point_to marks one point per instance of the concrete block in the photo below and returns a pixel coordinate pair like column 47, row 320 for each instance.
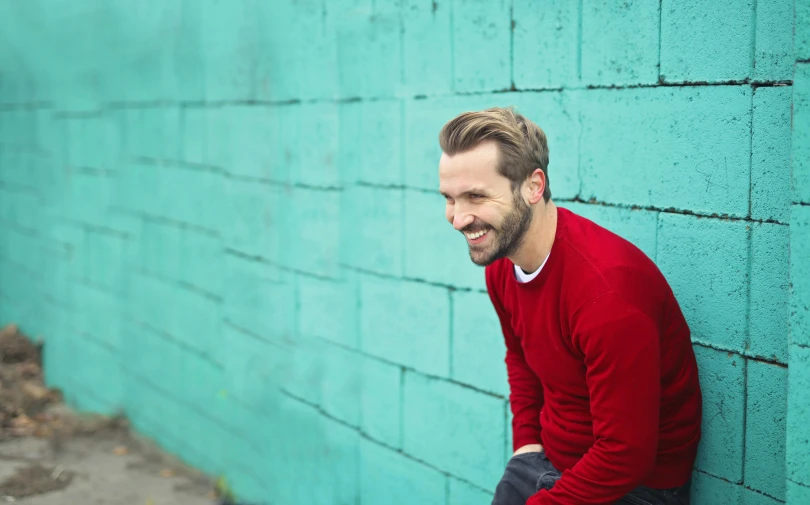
column 801, row 133
column 380, row 395
column 770, row 154
column 369, row 52
column 709, row 490
column 243, row 140
column 202, row 382
column 706, row 41
column 97, row 141
column 251, row 218
column 153, row 132
column 254, row 368
column 392, row 478
column 259, row 298
column 341, row 388
column 195, row 135
column 708, row 128
column 462, row 493
column 799, row 296
column 638, row 226
column 427, row 47
column 328, row 309
column 750, row 497
column 447, row 259
column 481, row 45
column 98, row 369
column 421, row 339
column 102, row 257
column 801, row 42
column 424, row 120
column 620, row 42
column 766, row 412
column 722, row 381
column 768, row 311
column 318, row 145
column 350, row 152
column 372, row 224
column 453, row 428
column 773, row 54
column 798, row 430
column 545, row 47
column 230, row 52
column 478, row 346
column 314, row 243
column 98, row 314
column 706, row 263
column 382, row 156
column 797, row 494
column 557, row 114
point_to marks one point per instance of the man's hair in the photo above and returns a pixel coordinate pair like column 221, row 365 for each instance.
column 522, row 144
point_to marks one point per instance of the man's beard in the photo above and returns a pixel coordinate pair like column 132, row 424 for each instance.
column 507, row 239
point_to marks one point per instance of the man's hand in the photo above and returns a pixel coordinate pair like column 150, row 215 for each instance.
column 528, row 448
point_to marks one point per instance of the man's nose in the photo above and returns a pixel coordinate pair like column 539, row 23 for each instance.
column 462, row 219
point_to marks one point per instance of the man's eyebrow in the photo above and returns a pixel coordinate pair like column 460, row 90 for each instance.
column 479, row 191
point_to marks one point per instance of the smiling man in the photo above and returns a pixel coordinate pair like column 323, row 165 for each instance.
column 604, row 389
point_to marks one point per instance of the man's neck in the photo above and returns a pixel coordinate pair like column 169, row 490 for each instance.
column 538, row 240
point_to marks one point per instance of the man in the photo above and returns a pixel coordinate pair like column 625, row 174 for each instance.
column 603, row 381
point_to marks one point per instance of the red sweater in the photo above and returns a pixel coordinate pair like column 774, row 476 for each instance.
column 600, row 366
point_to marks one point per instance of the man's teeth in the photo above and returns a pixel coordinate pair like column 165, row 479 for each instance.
column 473, row 236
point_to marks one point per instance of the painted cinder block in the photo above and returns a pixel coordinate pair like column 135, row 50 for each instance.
column 706, row 41
column 545, row 47
column 97, row 313
column 381, row 151
column 391, row 478
column 773, row 54
column 481, row 45
column 259, row 298
column 557, row 114
column 342, row 381
column 620, row 42
column 801, row 133
column 722, row 382
column 102, row 257
column 447, row 259
column 462, row 493
column 427, row 47
column 798, row 429
column 768, row 312
column 705, row 262
column 709, row 490
column 770, row 153
column 372, row 229
column 152, row 132
column 194, row 133
column 638, row 226
column 243, row 139
column 420, row 339
column 230, row 52
column 252, row 218
column 799, row 275
column 797, row 494
column 368, row 49
column 380, row 401
column 313, row 243
column 454, row 428
column 801, row 42
column 327, row 309
column 689, row 150
column 317, row 145
column 424, row 119
column 766, row 413
column 478, row 346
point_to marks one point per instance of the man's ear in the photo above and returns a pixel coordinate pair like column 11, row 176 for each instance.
column 537, row 186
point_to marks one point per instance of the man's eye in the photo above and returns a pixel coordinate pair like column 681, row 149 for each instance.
column 476, row 196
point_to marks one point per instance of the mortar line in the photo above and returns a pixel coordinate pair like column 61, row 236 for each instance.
column 799, row 483
column 749, row 234
column 753, row 58
column 708, row 345
column 751, row 156
column 401, row 433
column 408, row 279
column 450, row 333
column 512, row 25
column 452, row 46
column 744, row 418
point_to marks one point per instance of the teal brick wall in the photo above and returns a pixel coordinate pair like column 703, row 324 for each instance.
column 222, row 219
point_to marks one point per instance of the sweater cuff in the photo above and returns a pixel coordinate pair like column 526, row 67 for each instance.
column 526, row 436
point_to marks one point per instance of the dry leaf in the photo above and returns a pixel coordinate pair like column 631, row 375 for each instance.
column 120, row 450
column 166, row 473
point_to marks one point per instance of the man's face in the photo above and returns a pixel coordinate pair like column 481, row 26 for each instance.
column 481, row 204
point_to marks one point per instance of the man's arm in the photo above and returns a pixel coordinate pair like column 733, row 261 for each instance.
column 525, row 390
column 621, row 346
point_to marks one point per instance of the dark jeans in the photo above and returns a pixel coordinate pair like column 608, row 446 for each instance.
column 530, row 472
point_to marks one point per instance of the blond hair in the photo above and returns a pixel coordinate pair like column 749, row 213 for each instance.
column 522, row 144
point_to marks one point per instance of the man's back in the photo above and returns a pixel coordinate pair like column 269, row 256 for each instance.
column 600, row 363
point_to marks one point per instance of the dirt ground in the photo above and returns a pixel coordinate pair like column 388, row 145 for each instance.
column 50, row 455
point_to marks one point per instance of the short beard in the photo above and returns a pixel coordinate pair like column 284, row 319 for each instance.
column 509, row 237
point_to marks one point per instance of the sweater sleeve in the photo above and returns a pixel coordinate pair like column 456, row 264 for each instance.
column 525, row 389
column 620, row 346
